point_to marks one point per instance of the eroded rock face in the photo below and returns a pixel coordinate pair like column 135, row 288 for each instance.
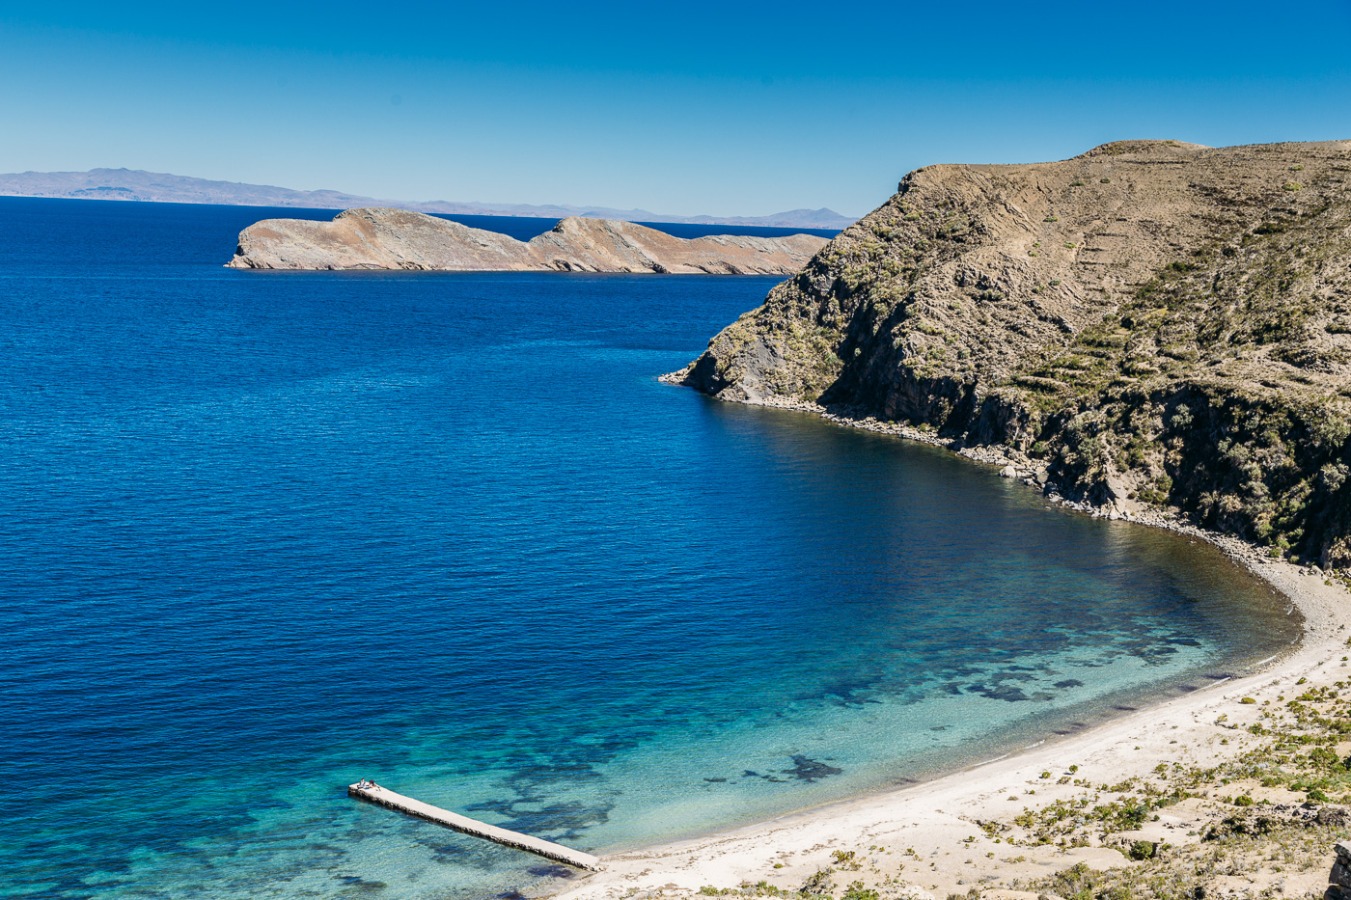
column 1152, row 321
column 400, row 239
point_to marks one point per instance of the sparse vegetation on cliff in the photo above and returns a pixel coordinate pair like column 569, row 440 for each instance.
column 1156, row 324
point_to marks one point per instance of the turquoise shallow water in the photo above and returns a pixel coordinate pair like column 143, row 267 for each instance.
column 264, row 534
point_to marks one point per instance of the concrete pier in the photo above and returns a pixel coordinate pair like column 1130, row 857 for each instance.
column 382, row 796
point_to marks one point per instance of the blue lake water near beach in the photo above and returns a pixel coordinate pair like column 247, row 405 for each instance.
column 263, row 534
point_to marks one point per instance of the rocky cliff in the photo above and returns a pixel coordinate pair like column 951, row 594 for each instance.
column 400, row 239
column 1150, row 324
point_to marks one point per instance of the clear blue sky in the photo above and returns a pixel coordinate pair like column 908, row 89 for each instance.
column 723, row 108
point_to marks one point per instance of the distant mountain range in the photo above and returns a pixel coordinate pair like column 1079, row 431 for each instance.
column 156, row 187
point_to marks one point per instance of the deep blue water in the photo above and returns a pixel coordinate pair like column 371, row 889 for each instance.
column 263, row 534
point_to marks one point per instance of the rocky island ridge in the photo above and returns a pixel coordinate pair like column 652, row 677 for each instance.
column 380, row 238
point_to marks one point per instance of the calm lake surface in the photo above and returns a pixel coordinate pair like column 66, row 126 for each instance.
column 263, row 534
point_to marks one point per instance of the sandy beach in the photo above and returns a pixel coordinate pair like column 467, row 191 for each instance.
column 957, row 832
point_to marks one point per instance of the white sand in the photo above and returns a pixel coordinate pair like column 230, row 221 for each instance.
column 935, row 819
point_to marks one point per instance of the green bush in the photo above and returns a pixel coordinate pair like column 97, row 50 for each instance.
column 857, row 891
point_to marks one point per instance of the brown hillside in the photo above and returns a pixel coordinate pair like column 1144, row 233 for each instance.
column 1156, row 323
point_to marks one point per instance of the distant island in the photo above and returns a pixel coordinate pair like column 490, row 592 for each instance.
column 158, row 187
column 402, row 239
column 1149, row 326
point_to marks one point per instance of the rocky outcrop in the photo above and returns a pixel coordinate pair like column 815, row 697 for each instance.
column 400, row 239
column 1152, row 323
column 1340, row 878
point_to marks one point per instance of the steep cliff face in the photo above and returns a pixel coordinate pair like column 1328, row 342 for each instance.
column 1159, row 324
column 400, row 239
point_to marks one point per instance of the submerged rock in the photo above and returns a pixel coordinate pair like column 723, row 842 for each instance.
column 807, row 769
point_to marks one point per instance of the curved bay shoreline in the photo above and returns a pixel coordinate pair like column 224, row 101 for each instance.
column 943, row 836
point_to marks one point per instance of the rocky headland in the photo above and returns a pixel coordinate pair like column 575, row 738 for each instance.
column 1152, row 330
column 401, row 239
column 1149, row 327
